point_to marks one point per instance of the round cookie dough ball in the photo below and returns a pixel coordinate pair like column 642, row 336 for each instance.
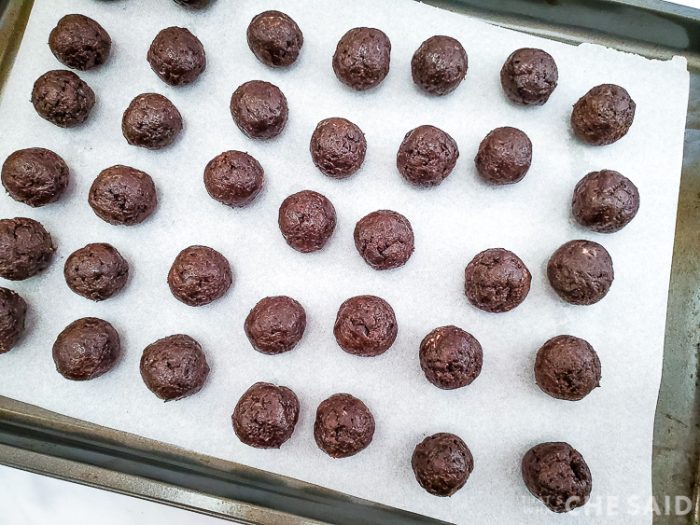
column 450, row 357
column 123, row 196
column 384, row 239
column 581, row 272
column 35, row 176
column 362, row 58
column 605, row 201
column 603, row 115
column 265, row 415
column 307, row 220
column 259, row 109
column 234, row 178
column 193, row 4
column 79, row 42
column 151, row 121
column 199, row 276
column 276, row 324
column 365, row 326
column 504, row 156
column 13, row 310
column 62, row 98
column 496, row 280
column 275, row 39
column 567, row 368
column 344, row 426
column 439, row 65
column 86, row 349
column 442, row 464
column 174, row 367
column 529, row 76
column 96, row 271
column 338, row 147
column 556, row 474
column 177, row 56
column 427, row 156
column 26, row 248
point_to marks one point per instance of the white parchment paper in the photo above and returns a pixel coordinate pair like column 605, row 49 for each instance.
column 502, row 413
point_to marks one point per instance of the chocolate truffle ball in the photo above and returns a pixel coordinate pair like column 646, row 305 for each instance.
column 177, row 56
column 26, row 248
column 427, row 156
column 259, row 109
column 265, row 415
column 439, row 65
column 529, row 76
column 362, row 57
column 557, row 475
column 199, row 276
column 307, row 220
column 603, row 115
column 365, row 326
column 96, row 271
column 567, row 367
column 338, row 147
column 504, row 156
column 344, row 426
column 174, row 367
column 384, row 239
column 123, row 195
column 35, row 176
column 62, row 98
column 450, row 357
column 276, row 324
column 496, row 280
column 86, row 349
column 234, row 178
column 442, row 464
column 275, row 39
column 13, row 310
column 605, row 201
column 581, row 272
column 151, row 121
column 79, row 42
column 193, row 4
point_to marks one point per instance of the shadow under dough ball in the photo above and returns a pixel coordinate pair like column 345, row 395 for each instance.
column 122, row 195
column 338, row 147
column 603, row 115
column 26, row 248
column 265, row 415
column 439, row 65
column 567, row 368
column 384, row 239
column 62, row 98
column 13, row 310
column 605, row 201
column 234, row 178
column 97, row 271
column 450, row 357
column 496, row 280
column 581, row 272
column 529, row 76
column 307, row 220
column 151, row 121
column 427, row 156
column 504, row 156
column 365, row 326
column 35, row 176
column 276, row 324
column 557, row 475
column 362, row 58
column 177, row 56
column 259, row 109
column 193, row 4
column 86, row 349
column 442, row 464
column 80, row 42
column 199, row 276
column 275, row 39
column 344, row 426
